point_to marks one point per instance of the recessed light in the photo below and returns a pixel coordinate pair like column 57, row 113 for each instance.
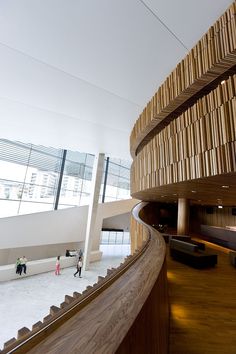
column 225, row 187
column 220, row 207
column 222, row 82
column 194, row 191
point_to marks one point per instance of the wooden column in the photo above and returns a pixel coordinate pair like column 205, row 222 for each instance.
column 183, row 216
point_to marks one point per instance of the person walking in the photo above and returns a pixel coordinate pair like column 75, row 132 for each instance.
column 79, row 267
column 58, row 266
column 23, row 262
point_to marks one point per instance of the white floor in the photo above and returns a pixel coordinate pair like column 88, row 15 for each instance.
column 27, row 300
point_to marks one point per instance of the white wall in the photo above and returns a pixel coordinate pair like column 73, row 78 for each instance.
column 121, row 221
column 107, row 210
column 60, row 226
column 59, row 230
column 42, row 235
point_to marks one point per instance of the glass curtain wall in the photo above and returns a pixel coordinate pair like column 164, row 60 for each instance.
column 76, row 182
column 117, row 182
column 115, row 238
column 30, row 176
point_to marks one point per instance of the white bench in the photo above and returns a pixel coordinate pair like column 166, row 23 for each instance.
column 8, row 272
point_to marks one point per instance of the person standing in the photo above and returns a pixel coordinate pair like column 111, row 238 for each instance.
column 58, row 266
column 79, row 267
column 23, row 262
column 79, row 254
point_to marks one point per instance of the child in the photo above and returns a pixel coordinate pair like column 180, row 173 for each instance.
column 58, row 266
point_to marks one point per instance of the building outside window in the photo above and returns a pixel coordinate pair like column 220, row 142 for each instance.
column 117, row 184
column 29, row 178
column 76, row 182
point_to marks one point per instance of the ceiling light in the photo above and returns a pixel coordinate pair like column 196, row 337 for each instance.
column 222, row 82
column 225, row 187
column 194, row 191
column 220, row 206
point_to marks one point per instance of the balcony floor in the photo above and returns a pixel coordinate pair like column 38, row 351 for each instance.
column 203, row 306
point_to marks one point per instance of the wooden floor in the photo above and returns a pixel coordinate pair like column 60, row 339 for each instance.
column 203, row 307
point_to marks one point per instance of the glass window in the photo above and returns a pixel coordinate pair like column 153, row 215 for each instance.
column 8, row 208
column 12, row 171
column 29, row 177
column 118, row 180
column 115, row 237
column 30, row 174
column 29, row 208
column 76, row 182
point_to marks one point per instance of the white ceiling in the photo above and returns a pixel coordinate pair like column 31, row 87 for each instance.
column 76, row 73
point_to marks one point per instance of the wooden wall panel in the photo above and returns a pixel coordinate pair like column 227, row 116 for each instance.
column 220, row 217
column 199, row 143
column 150, row 331
column 138, row 235
column 213, row 55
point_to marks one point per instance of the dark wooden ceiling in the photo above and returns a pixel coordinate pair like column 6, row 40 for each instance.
column 217, row 190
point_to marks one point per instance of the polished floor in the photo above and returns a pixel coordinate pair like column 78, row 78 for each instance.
column 27, row 300
column 203, row 306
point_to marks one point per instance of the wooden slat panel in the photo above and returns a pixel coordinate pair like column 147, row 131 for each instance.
column 214, row 54
column 199, row 143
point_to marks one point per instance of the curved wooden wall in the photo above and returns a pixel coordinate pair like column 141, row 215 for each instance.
column 213, row 55
column 201, row 142
column 138, row 233
column 130, row 302
column 187, row 132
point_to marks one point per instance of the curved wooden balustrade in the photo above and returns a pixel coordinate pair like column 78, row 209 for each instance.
column 130, row 302
column 212, row 56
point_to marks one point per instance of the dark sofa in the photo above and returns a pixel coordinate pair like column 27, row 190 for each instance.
column 190, row 254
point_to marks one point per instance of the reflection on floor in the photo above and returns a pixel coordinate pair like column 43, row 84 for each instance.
column 27, row 300
column 203, row 306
